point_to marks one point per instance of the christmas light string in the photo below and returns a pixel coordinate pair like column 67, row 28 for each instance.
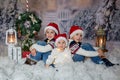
column 27, row 5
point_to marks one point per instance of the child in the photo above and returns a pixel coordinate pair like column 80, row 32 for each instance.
column 80, row 50
column 61, row 54
column 42, row 49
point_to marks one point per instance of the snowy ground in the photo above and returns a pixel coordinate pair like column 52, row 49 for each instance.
column 73, row 71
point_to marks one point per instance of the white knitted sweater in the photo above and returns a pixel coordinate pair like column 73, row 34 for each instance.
column 59, row 58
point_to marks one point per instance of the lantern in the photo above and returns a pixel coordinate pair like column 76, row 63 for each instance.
column 101, row 39
column 11, row 38
column 14, row 53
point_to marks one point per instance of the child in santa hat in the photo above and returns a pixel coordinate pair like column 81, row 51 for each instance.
column 60, row 54
column 80, row 50
column 42, row 49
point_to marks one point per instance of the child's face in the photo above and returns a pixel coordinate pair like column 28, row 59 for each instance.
column 61, row 44
column 50, row 34
column 77, row 37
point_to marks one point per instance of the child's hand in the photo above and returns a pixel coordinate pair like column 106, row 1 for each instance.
column 101, row 53
column 28, row 56
column 33, row 52
column 47, row 66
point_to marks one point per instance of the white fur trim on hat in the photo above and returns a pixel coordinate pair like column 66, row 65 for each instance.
column 51, row 27
column 61, row 38
column 75, row 32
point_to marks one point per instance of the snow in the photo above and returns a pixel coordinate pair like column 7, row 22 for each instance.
column 10, row 70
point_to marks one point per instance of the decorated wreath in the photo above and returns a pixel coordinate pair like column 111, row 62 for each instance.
column 27, row 26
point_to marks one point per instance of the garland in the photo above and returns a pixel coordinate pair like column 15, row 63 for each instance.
column 27, row 26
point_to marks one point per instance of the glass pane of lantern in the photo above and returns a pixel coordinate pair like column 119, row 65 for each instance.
column 11, row 37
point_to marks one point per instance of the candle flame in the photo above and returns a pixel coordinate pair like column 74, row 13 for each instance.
column 101, row 43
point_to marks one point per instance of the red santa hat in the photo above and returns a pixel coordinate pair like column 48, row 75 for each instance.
column 52, row 26
column 75, row 29
column 61, row 37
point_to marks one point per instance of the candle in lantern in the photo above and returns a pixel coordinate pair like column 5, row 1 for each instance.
column 11, row 38
column 101, row 43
